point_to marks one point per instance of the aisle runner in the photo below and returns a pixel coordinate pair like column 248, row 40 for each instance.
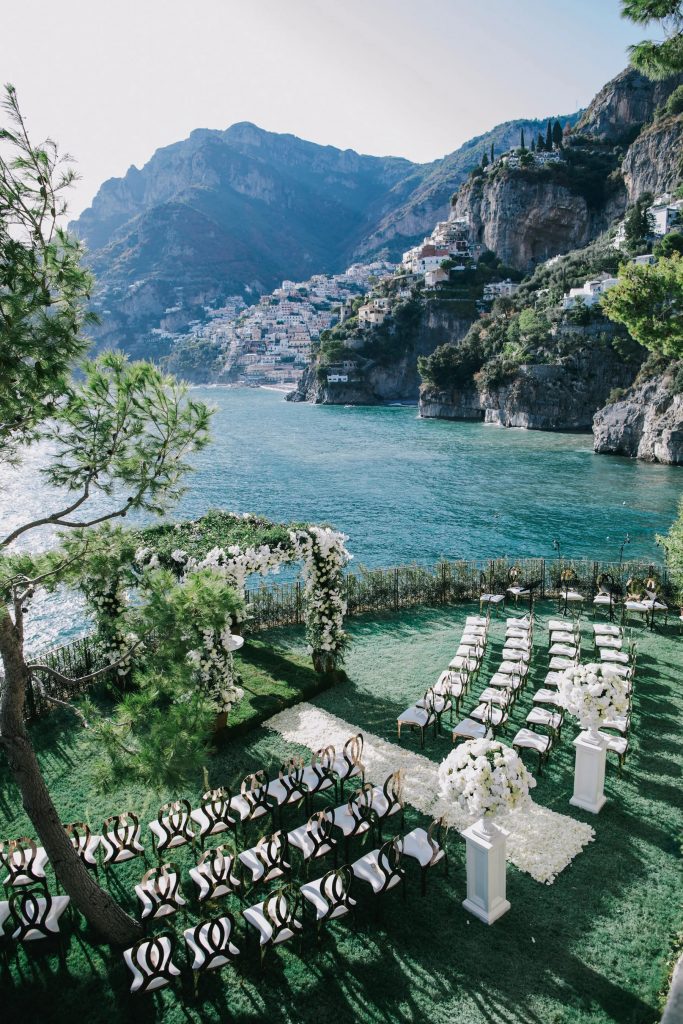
column 540, row 841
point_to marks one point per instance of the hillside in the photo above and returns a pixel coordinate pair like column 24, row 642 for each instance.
column 235, row 212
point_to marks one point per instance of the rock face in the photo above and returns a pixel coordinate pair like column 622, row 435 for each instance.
column 624, row 105
column 647, row 423
column 526, row 219
column 376, row 381
column 539, row 396
column 654, row 162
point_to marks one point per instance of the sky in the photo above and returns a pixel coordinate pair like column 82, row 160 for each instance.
column 112, row 82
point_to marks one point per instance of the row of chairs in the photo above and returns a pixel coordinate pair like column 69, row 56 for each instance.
column 178, row 824
column 277, row 918
column 492, row 710
column 452, row 684
column 564, row 650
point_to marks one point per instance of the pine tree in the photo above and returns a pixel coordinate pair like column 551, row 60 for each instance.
column 557, row 135
column 549, row 136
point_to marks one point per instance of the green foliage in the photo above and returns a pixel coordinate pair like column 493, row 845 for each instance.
column 674, row 104
column 657, row 59
column 533, row 326
column 671, row 243
column 638, row 224
column 649, row 302
column 43, row 287
column 673, row 547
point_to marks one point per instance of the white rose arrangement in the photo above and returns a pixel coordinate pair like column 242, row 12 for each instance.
column 593, row 695
column 485, row 777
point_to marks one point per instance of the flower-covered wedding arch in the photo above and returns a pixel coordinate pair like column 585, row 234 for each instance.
column 240, row 545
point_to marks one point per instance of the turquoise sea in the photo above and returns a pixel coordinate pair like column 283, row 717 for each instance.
column 406, row 489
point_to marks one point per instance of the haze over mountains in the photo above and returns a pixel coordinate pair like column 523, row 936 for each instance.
column 236, row 211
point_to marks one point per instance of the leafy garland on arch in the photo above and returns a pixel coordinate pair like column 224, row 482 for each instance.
column 237, row 546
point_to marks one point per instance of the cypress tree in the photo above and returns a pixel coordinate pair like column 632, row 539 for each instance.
column 484, row 159
column 492, row 153
column 557, row 134
column 540, row 145
column 533, row 145
column 549, row 136
column 521, row 139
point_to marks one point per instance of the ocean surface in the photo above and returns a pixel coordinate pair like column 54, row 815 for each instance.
column 402, row 488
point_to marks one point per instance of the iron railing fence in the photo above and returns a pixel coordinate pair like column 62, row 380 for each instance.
column 369, row 591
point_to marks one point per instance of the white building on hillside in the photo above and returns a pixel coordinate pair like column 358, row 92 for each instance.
column 590, row 291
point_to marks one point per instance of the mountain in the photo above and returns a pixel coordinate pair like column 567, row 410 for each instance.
column 236, row 211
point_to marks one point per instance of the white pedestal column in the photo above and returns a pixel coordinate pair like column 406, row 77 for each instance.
column 589, row 772
column 485, row 873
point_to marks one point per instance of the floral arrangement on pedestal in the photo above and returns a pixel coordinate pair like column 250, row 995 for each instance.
column 593, row 694
column 485, row 778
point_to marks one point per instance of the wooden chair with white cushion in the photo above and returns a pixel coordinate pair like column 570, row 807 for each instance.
column 477, row 620
column 320, row 775
column 214, row 874
column 387, row 800
column 426, row 847
column 488, row 598
column 420, row 716
column 541, row 743
column 356, row 817
column 564, row 650
column 24, row 862
column 441, row 703
column 470, row 729
column 545, row 697
column 618, row 745
column 547, row 718
column 173, row 827
column 453, row 685
column 315, row 839
column 268, row 859
column 252, row 803
column 275, row 918
column 381, row 868
column 289, row 787
column 120, row 840
column 515, row 588
column 614, row 643
column 213, row 816
column 150, row 961
column 210, row 945
column 36, row 915
column 607, row 629
column 159, row 892
column 349, row 764
column 84, row 843
column 329, row 897
column 493, row 715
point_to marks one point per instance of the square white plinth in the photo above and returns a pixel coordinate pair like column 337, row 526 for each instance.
column 485, row 874
column 589, row 772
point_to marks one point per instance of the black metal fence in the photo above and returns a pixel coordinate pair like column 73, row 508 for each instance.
column 375, row 591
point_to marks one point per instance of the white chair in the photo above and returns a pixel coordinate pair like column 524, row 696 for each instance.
column 496, row 695
column 477, row 620
column 213, row 875
column 349, row 764
column 275, row 918
column 320, row 775
column 214, row 817
column 381, row 868
column 289, row 787
column 426, row 848
column 210, row 946
column 615, row 657
column 329, row 896
column 150, row 961
column 356, row 817
column 252, row 803
column 542, row 716
column 24, row 861
column 84, row 843
column 607, row 629
column 618, row 745
column 544, row 696
column 120, row 839
column 564, row 651
column 553, row 678
column 470, row 729
column 36, row 916
column 494, row 716
column 159, row 892
column 420, row 716
column 173, row 826
column 454, row 685
column 314, row 839
column 613, row 643
column 387, row 800
column 541, row 743
column 268, row 859
column 561, row 664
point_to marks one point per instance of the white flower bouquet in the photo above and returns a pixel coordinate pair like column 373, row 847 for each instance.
column 485, row 778
column 593, row 695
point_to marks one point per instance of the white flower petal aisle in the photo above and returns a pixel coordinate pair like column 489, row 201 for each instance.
column 540, row 842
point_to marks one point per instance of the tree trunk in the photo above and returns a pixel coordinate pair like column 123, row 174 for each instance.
column 96, row 905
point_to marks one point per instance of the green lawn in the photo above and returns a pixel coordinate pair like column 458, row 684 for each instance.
column 592, row 947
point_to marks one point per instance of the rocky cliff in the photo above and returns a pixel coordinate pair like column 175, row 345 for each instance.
column 624, row 105
column 386, row 375
column 541, row 396
column 654, row 161
column 645, row 423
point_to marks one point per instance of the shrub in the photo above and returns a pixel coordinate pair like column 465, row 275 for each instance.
column 674, row 104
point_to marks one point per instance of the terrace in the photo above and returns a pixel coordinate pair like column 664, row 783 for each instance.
column 592, row 945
